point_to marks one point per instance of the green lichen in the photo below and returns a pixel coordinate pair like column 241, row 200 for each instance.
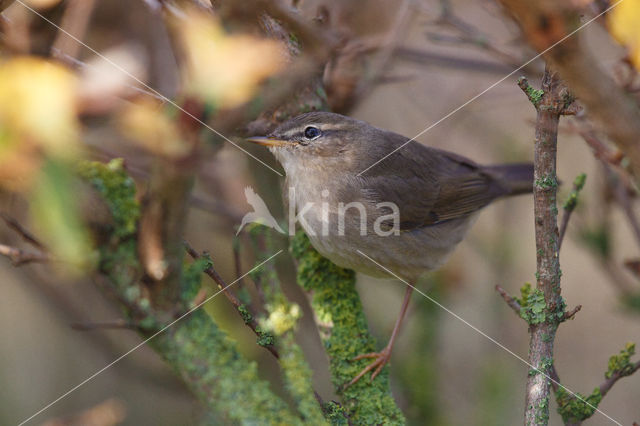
column 576, row 408
column 281, row 321
column 534, row 95
column 542, row 412
column 621, row 365
column 265, row 338
column 335, row 414
column 533, row 306
column 547, row 182
column 298, row 380
column 203, row 355
column 344, row 333
column 192, row 279
column 118, row 189
column 245, row 314
column 209, row 362
column 544, row 368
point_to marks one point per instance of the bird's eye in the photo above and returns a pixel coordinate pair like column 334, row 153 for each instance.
column 311, row 132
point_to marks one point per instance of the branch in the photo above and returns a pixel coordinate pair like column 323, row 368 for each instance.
column 544, row 307
column 201, row 353
column 244, row 311
column 570, row 205
column 511, row 301
column 281, row 320
column 22, row 231
column 545, row 23
column 608, row 384
column 20, row 256
column 343, row 330
column 575, row 408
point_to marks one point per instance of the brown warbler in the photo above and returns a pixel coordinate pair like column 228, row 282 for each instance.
column 375, row 201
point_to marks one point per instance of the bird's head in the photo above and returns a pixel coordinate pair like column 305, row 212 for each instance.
column 319, row 140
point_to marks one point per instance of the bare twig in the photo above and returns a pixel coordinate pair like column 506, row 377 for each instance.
column 20, row 256
column 469, row 34
column 511, row 301
column 570, row 314
column 22, row 231
column 243, row 310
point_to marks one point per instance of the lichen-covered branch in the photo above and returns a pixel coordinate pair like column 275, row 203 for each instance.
column 543, row 307
column 574, row 409
column 281, row 321
column 202, row 354
column 343, row 330
column 249, row 318
column 211, row 366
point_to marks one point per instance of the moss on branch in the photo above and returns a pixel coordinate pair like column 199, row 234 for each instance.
column 211, row 366
column 344, row 333
column 281, row 322
column 202, row 354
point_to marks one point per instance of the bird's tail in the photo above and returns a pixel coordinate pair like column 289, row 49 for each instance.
column 517, row 178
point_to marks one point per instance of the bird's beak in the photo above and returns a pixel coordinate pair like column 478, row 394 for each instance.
column 268, row 141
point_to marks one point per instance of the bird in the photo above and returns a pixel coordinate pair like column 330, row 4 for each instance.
column 378, row 202
column 260, row 213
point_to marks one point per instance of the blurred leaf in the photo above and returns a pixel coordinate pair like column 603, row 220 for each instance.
column 225, row 69
column 624, row 24
column 148, row 124
column 102, row 88
column 54, row 209
column 37, row 116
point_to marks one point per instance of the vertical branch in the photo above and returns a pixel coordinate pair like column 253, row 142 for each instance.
column 550, row 102
column 344, row 333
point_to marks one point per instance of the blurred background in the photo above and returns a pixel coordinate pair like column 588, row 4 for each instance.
column 412, row 63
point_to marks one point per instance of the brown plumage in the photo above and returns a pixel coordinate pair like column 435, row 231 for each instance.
column 332, row 160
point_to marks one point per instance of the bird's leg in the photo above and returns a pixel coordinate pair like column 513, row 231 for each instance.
column 382, row 358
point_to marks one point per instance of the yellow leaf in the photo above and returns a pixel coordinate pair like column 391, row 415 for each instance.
column 37, row 116
column 624, row 24
column 225, row 69
column 148, row 124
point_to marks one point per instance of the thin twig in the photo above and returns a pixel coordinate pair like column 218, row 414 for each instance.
column 511, row 301
column 608, row 384
column 20, row 256
column 570, row 314
column 570, row 205
column 242, row 309
column 22, row 231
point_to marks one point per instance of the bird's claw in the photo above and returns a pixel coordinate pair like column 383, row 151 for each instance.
column 380, row 360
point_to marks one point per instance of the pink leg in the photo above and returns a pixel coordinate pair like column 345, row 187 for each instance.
column 382, row 358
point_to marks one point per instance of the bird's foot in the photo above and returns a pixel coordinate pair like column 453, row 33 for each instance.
column 380, row 359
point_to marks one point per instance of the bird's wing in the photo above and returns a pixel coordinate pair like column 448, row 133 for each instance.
column 428, row 185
